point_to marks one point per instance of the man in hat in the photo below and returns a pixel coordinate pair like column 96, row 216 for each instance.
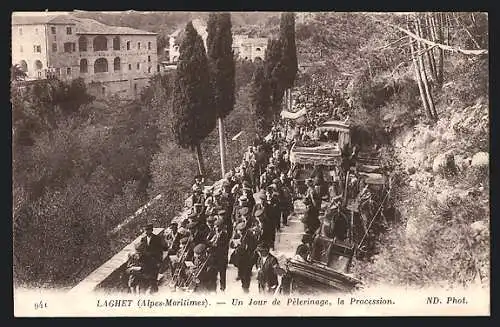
column 268, row 232
column 197, row 195
column 243, row 256
column 220, row 245
column 153, row 255
column 273, row 211
column 178, row 260
column 304, row 249
column 134, row 269
column 226, row 218
column 247, row 193
column 243, row 215
column 199, row 231
column 242, row 203
column 172, row 242
column 199, row 181
column 172, row 238
column 203, row 272
column 267, row 269
column 211, row 227
column 312, row 202
column 286, row 199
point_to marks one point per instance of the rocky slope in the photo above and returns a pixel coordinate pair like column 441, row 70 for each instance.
column 443, row 197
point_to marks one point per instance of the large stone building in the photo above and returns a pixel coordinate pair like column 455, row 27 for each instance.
column 111, row 59
column 244, row 47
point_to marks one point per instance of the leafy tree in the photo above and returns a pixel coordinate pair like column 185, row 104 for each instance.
column 161, row 44
column 17, row 73
column 244, row 73
column 261, row 101
column 193, row 113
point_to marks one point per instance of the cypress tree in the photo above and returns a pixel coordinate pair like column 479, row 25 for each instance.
column 261, row 102
column 222, row 70
column 273, row 74
column 289, row 50
column 193, row 116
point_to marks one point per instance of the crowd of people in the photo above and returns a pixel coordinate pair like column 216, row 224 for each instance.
column 243, row 214
column 320, row 103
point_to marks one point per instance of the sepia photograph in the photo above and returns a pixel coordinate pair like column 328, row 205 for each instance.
column 170, row 163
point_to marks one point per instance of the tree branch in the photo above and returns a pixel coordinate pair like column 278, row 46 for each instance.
column 439, row 45
column 392, row 43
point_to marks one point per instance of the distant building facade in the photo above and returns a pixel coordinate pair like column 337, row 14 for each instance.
column 111, row 59
column 244, row 47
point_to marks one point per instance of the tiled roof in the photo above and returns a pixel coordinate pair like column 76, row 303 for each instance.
column 90, row 26
column 42, row 19
column 83, row 25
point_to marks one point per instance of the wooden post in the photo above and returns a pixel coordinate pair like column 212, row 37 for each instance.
column 222, row 147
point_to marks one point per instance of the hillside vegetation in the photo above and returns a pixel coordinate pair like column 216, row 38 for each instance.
column 80, row 168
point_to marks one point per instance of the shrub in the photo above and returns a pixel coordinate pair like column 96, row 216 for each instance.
column 439, row 250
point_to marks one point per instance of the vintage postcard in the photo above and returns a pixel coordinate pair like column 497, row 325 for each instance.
column 250, row 163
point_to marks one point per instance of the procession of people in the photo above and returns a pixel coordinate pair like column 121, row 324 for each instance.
column 236, row 222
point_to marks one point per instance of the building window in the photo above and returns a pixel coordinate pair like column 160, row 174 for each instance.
column 128, row 45
column 103, row 91
column 138, row 45
column 149, row 58
column 53, row 29
column 54, row 47
column 100, row 43
column 149, row 45
column 84, row 66
column 37, row 48
column 21, row 48
column 257, row 49
column 138, row 66
column 69, row 31
column 55, row 38
column 69, row 47
column 116, row 64
column 38, row 65
column 101, row 65
column 20, row 31
column 129, row 66
column 158, row 68
column 82, row 43
column 68, row 71
column 149, row 70
column 116, row 43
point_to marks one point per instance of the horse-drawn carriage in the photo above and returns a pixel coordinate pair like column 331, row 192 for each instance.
column 346, row 218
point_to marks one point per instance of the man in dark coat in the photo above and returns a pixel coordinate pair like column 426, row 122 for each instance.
column 220, row 245
column 243, row 256
column 268, row 229
column 286, row 200
column 267, row 265
column 312, row 201
column 153, row 255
